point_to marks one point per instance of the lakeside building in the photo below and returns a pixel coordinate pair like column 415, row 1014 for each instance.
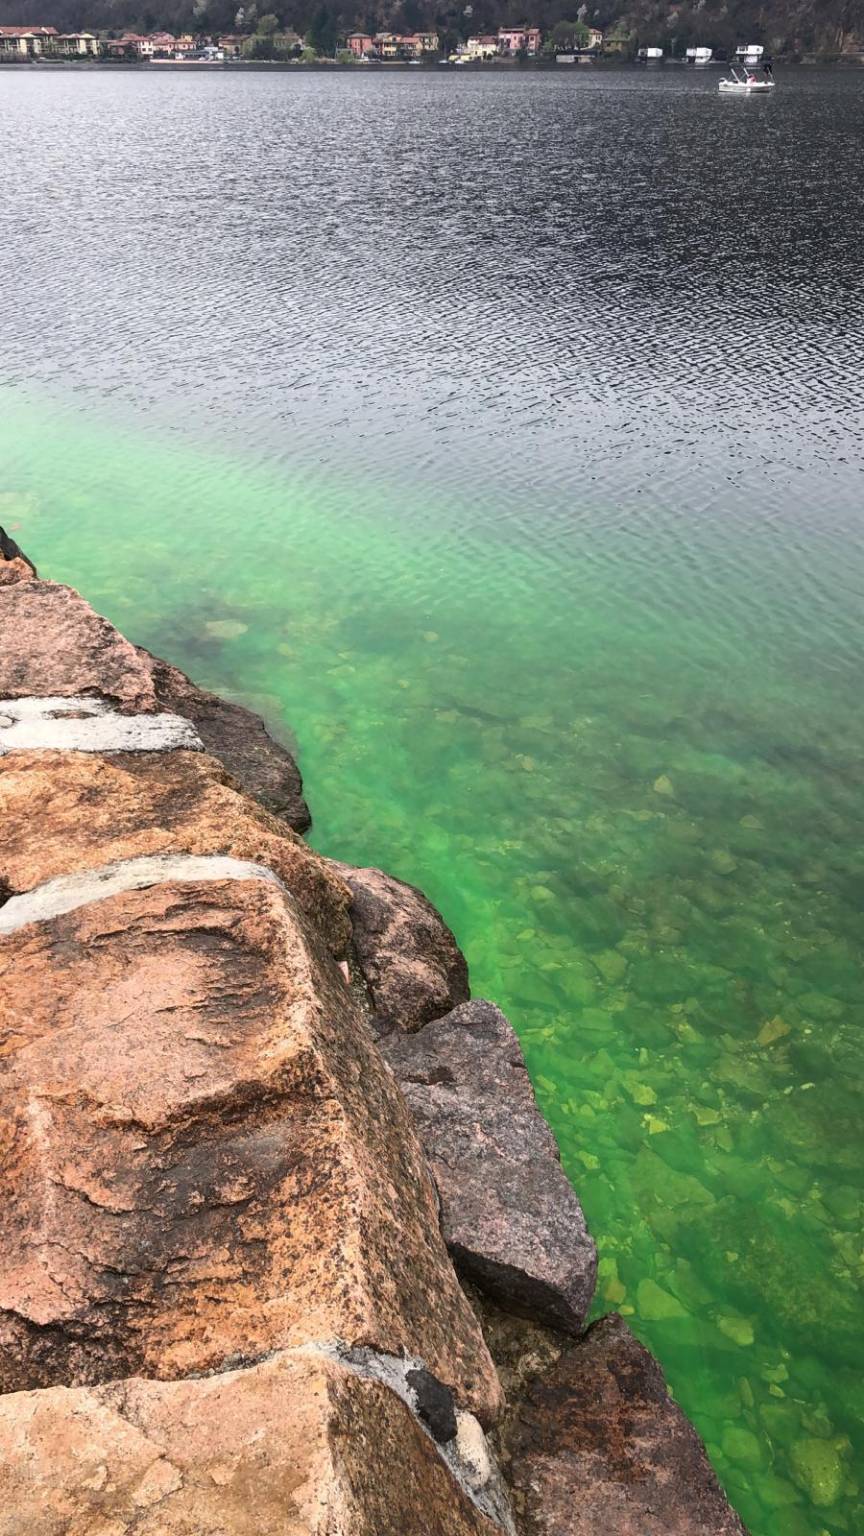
column 132, row 42
column 26, row 42
column 480, row 48
column 519, row 40
column 75, row 45
column 393, row 45
column 48, row 43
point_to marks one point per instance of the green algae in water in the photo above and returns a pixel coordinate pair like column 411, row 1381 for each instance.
column 645, row 830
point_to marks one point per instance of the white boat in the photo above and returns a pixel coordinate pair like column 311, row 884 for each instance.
column 650, row 55
column 749, row 53
column 700, row 55
column 748, row 86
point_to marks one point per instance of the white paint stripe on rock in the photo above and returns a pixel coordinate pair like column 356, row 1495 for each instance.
column 89, row 725
column 70, row 891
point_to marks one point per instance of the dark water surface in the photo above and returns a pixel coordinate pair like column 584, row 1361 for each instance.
column 504, row 437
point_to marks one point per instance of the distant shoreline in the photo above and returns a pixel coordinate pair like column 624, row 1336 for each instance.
column 390, row 66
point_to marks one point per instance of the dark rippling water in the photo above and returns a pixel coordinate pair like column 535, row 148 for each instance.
column 503, row 435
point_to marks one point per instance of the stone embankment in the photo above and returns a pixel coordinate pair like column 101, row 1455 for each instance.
column 287, row 1245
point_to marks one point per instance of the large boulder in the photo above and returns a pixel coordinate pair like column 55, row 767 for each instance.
column 509, row 1214
column 599, row 1445
column 410, row 962
column 204, row 1157
column 298, row 1445
column 63, row 812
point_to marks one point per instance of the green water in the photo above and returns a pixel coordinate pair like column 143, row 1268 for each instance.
column 629, row 774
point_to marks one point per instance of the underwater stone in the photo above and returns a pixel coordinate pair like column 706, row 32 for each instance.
column 817, row 1470
column 655, row 1304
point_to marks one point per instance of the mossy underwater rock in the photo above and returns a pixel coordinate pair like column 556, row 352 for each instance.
column 817, row 1470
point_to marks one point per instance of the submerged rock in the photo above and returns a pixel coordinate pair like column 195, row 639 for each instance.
column 508, row 1212
column 598, row 1445
column 817, row 1469
column 412, row 966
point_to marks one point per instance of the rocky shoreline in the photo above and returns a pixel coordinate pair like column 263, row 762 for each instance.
column 288, row 1245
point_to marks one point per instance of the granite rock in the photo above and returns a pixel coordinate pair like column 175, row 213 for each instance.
column 509, row 1215
column 409, row 960
column 294, row 1446
column 93, row 810
column 14, row 569
column 204, row 1157
column 599, row 1445
column 52, row 642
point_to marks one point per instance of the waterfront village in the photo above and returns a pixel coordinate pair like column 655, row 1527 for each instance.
column 567, row 43
column 46, row 43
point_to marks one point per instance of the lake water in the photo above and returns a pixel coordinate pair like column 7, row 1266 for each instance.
column 503, row 436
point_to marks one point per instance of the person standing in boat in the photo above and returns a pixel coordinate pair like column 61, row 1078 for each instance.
column 768, row 67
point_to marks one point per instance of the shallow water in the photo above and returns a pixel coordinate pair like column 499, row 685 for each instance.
column 503, row 438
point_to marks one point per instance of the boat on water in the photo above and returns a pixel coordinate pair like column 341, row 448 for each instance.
column 649, row 55
column 700, row 56
column 745, row 85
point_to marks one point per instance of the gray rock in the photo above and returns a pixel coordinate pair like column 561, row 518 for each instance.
column 240, row 740
column 412, row 966
column 509, row 1214
column 599, row 1445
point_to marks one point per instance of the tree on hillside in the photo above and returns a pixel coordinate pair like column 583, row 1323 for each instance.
column 567, row 35
column 323, row 31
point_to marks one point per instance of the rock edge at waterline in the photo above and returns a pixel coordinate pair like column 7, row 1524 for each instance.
column 227, row 1304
